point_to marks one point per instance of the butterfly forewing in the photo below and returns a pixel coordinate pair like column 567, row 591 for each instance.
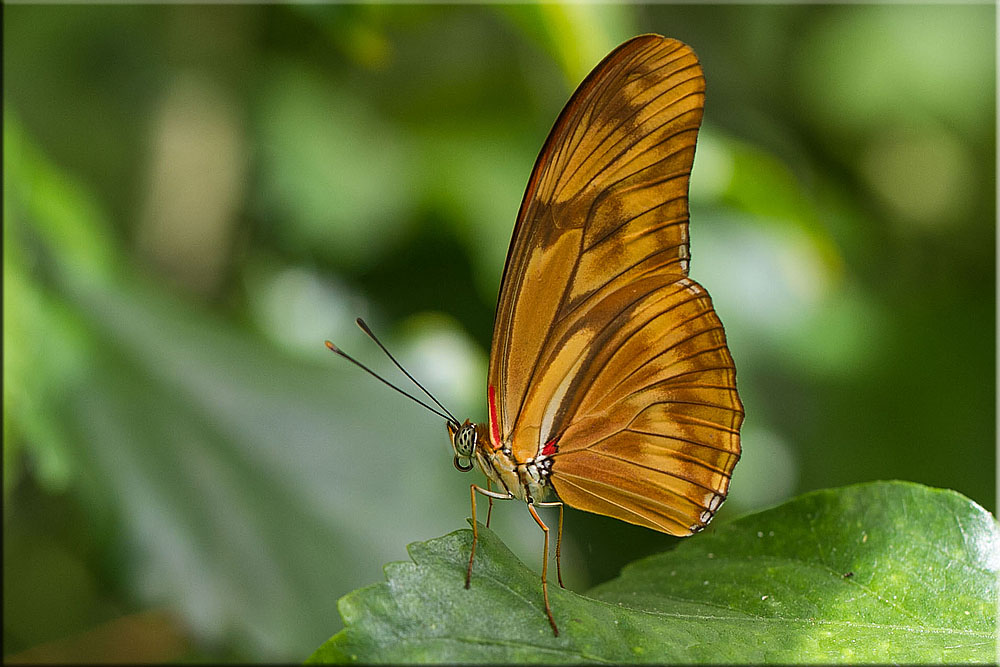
column 602, row 344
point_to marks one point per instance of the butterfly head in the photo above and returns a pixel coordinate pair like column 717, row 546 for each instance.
column 463, row 441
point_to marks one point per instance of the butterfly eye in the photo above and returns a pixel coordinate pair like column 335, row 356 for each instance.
column 466, row 441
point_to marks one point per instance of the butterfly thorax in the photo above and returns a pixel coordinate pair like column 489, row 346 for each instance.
column 527, row 480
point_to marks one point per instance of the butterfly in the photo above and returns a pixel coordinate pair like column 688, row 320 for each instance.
column 610, row 388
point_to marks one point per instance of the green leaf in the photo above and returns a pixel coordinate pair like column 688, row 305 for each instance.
column 879, row 572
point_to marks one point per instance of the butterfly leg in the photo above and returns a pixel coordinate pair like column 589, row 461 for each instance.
column 545, row 568
column 473, row 489
column 558, row 538
column 489, row 512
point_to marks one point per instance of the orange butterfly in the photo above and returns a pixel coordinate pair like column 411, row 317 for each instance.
column 610, row 386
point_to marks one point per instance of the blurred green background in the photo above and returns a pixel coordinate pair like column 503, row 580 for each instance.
column 196, row 197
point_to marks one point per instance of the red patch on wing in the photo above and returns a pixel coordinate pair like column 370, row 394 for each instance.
column 494, row 422
column 550, row 448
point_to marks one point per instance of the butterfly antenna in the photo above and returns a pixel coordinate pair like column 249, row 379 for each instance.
column 367, row 330
column 333, row 348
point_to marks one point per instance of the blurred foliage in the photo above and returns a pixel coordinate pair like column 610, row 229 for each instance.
column 196, row 197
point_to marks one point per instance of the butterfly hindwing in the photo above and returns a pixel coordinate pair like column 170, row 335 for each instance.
column 655, row 434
